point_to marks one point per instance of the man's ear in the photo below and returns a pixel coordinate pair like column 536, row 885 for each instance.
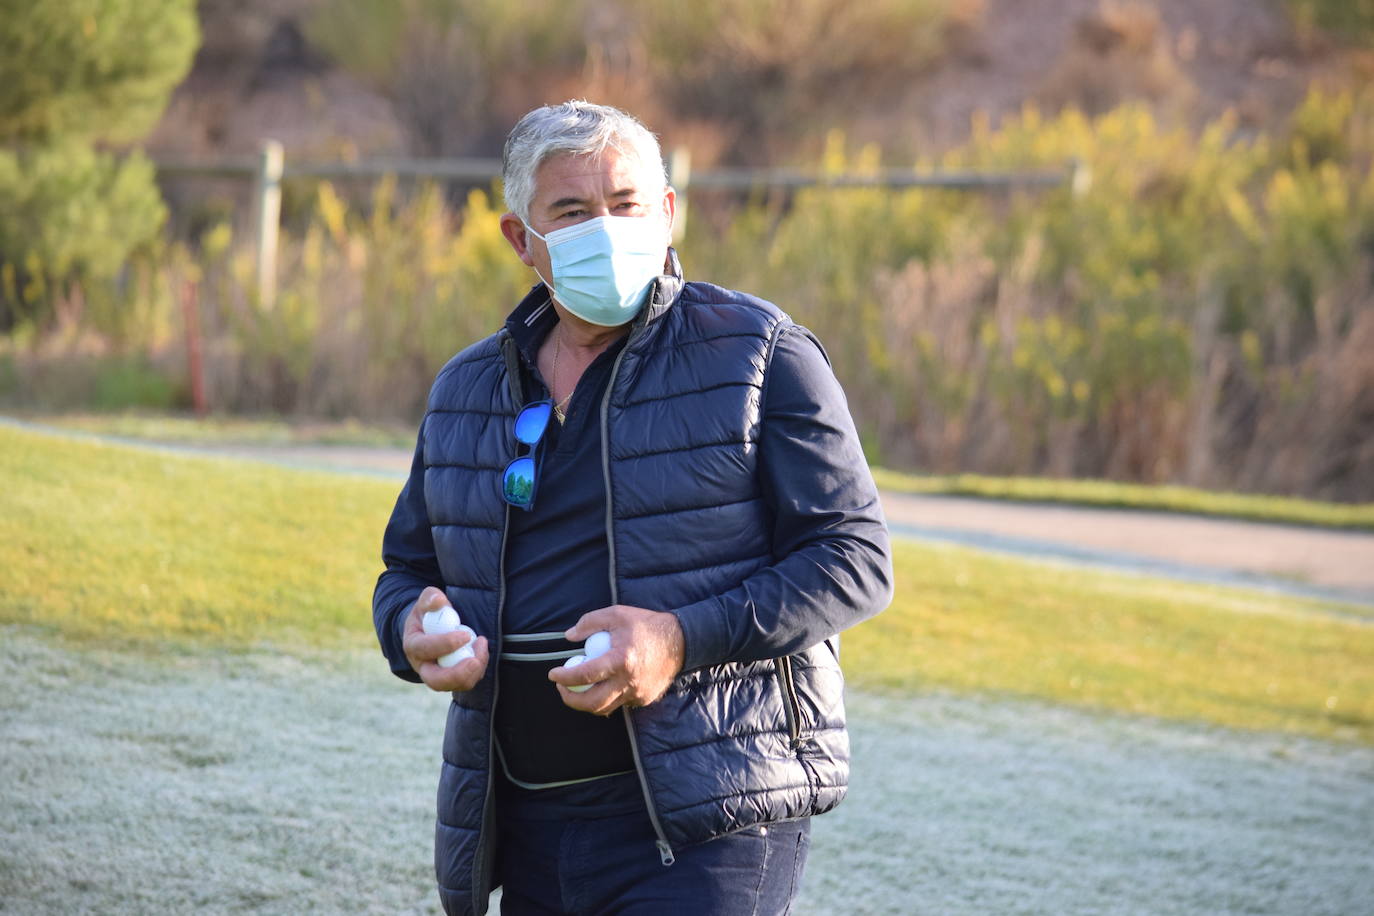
column 670, row 207
column 518, row 236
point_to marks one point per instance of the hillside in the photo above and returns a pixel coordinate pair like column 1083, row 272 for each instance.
column 258, row 74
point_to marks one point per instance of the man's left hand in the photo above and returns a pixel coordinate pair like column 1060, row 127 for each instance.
column 646, row 654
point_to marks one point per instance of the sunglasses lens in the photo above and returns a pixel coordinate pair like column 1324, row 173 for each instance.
column 518, row 484
column 532, row 422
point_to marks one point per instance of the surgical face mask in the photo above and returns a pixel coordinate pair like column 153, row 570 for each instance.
column 603, row 268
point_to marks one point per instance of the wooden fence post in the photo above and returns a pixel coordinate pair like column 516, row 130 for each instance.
column 680, row 176
column 1080, row 177
column 270, row 161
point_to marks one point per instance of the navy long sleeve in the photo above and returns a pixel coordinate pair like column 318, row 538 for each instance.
column 832, row 565
column 411, row 566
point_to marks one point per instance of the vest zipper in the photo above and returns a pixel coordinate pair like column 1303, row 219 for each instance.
column 494, row 650
column 791, row 708
column 479, row 903
column 665, row 851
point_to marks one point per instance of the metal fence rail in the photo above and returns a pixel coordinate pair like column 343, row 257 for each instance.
column 270, row 167
column 752, row 179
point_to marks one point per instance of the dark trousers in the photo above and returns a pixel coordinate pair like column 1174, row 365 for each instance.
column 611, row 865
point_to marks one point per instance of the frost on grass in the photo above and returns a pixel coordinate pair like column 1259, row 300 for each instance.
column 213, row 784
column 263, row 783
column 965, row 806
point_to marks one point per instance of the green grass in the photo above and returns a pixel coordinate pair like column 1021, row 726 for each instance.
column 1107, row 494
column 110, row 544
column 218, row 430
column 973, row 622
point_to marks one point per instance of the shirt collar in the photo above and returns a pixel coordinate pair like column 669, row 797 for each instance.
column 531, row 321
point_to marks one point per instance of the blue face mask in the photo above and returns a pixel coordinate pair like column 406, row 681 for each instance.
column 603, row 268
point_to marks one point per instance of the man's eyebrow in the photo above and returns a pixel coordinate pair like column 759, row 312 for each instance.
column 562, row 202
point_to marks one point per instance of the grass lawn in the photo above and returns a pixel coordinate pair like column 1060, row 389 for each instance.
column 214, row 430
column 110, row 544
column 970, row 621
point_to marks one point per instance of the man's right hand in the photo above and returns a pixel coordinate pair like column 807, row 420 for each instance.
column 423, row 650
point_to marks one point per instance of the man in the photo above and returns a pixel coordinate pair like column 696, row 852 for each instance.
column 667, row 462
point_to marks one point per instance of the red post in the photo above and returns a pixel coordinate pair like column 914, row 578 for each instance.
column 190, row 295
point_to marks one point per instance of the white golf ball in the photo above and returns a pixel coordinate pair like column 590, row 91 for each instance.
column 443, row 620
column 462, row 652
column 573, row 663
column 598, row 644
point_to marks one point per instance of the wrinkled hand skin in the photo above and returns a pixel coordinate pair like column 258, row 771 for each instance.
column 423, row 650
column 646, row 654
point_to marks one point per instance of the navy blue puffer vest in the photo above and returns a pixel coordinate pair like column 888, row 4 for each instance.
column 730, row 746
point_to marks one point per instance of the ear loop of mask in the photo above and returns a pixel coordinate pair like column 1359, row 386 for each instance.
column 536, row 269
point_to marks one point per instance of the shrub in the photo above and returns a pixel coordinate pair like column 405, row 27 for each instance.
column 71, row 75
column 1201, row 313
column 371, row 303
column 69, row 215
column 1349, row 20
column 1190, row 317
column 462, row 72
column 803, row 61
column 452, row 68
column 90, row 69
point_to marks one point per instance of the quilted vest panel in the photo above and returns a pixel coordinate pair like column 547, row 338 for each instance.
column 468, row 440
column 733, row 745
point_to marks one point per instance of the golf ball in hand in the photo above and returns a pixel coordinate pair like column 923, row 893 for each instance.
column 599, row 643
column 445, row 620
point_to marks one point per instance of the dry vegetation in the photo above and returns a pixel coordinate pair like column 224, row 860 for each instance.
column 1197, row 315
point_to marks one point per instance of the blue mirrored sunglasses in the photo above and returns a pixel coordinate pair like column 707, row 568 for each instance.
column 519, row 481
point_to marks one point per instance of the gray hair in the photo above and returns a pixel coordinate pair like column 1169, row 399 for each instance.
column 577, row 127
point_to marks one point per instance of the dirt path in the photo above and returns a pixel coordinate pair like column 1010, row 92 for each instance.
column 1334, row 565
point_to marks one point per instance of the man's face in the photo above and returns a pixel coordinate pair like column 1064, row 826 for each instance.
column 572, row 189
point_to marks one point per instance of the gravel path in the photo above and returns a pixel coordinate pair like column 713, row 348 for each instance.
column 257, row 782
column 1305, row 561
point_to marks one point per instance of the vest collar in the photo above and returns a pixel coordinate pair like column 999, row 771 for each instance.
column 665, row 291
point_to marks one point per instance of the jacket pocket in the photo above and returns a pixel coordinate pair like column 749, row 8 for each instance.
column 790, row 706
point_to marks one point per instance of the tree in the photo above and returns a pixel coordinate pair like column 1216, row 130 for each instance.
column 77, row 76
